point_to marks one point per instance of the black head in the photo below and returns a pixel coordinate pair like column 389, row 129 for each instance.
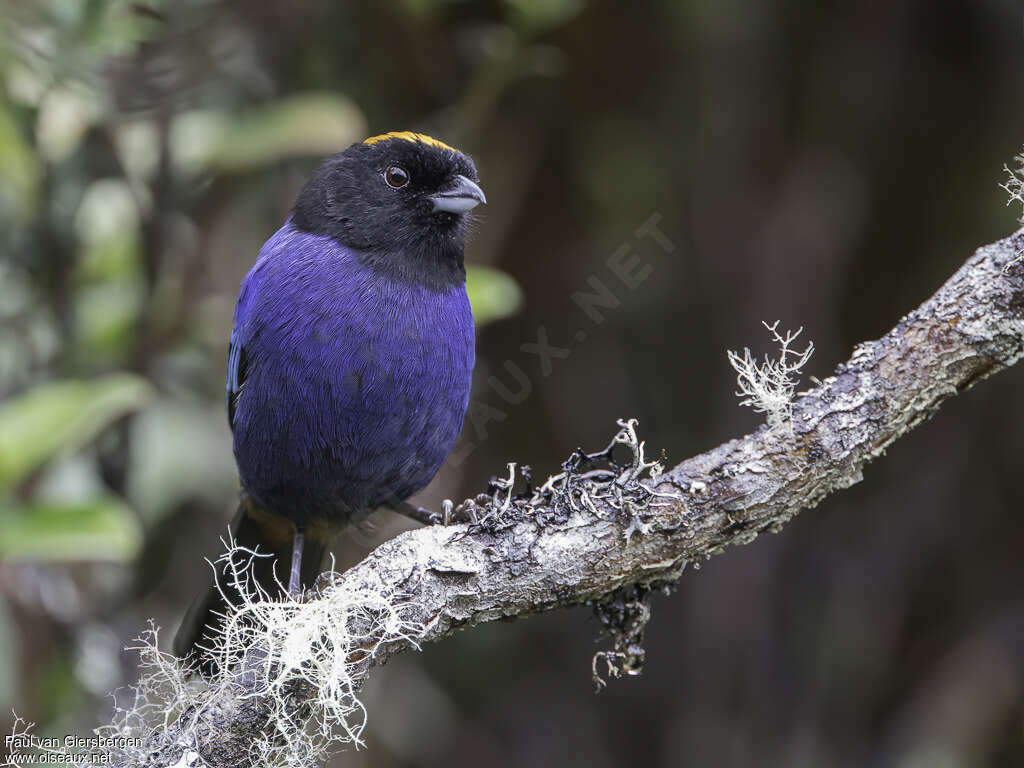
column 399, row 201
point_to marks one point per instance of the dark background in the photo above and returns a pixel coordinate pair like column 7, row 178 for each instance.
column 827, row 164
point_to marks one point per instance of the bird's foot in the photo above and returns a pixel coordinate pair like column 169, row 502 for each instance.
column 427, row 516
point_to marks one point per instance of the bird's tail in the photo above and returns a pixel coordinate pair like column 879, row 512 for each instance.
column 266, row 533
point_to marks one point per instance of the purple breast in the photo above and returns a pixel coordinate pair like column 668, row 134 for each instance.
column 356, row 384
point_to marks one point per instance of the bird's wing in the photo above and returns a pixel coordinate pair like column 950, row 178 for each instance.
column 238, row 360
column 237, row 364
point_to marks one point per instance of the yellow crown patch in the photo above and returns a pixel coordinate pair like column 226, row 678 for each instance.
column 410, row 136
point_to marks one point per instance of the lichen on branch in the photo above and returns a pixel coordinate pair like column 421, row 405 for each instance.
column 768, row 386
column 606, row 530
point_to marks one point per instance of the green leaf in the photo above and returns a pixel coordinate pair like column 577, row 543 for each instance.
column 492, row 293
column 61, row 416
column 100, row 530
column 306, row 125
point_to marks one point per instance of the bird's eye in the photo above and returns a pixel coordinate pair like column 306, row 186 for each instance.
column 396, row 177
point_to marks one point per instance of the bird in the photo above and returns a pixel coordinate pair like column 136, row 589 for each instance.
column 350, row 360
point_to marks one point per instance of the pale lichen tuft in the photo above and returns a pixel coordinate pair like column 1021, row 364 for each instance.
column 768, row 386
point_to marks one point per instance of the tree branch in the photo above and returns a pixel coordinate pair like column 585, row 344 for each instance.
column 584, row 536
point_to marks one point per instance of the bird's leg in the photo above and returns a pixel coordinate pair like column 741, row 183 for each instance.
column 295, row 579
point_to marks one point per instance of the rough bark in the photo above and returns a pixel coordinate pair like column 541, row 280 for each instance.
column 531, row 558
column 971, row 328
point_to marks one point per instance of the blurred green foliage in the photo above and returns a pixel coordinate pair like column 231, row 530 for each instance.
column 85, row 187
column 104, row 529
column 143, row 159
column 826, row 163
column 47, row 422
column 493, row 294
column 312, row 124
column 59, row 417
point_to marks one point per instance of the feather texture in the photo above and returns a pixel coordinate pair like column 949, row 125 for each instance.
column 355, row 386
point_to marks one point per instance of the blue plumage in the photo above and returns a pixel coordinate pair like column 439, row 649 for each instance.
column 351, row 356
column 355, row 387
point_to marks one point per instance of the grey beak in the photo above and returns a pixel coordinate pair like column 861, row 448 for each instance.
column 464, row 196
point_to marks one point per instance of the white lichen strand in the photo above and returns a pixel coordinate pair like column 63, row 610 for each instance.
column 163, row 693
column 299, row 663
column 21, row 733
column 312, row 657
column 1014, row 186
column 768, row 387
column 565, row 543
